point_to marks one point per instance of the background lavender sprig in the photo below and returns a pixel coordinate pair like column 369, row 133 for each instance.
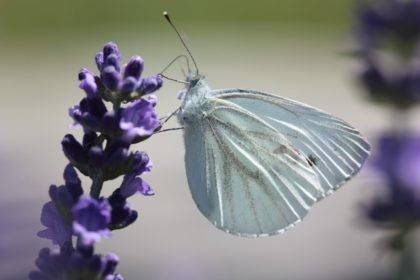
column 388, row 35
column 103, row 154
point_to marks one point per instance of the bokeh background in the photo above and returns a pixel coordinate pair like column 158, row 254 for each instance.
column 293, row 48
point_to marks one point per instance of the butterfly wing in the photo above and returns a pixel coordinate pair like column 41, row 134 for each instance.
column 247, row 174
column 334, row 149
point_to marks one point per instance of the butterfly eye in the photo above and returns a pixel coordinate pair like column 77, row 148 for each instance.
column 194, row 82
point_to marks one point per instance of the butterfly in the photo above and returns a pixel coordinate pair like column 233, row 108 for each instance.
column 257, row 162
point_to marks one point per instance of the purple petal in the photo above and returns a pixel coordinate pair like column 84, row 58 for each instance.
column 132, row 185
column 139, row 119
column 56, row 230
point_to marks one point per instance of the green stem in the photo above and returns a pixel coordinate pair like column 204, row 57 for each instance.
column 116, row 105
column 95, row 189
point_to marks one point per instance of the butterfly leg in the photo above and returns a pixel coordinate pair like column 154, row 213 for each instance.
column 166, row 119
column 168, row 129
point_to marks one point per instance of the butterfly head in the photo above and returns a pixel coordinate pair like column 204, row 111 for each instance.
column 194, row 79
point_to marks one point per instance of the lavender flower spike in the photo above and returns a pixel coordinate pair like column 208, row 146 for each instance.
column 103, row 154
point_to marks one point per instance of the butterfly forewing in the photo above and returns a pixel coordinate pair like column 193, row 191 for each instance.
column 334, row 149
column 245, row 176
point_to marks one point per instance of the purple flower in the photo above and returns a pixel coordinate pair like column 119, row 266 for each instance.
column 118, row 83
column 139, row 119
column 51, row 264
column 388, row 18
column 76, row 153
column 150, row 84
column 88, row 83
column 93, row 116
column 141, row 163
column 398, row 160
column 103, row 154
column 68, row 263
column 111, row 78
column 56, row 229
column 91, row 220
column 134, row 68
column 388, row 35
column 122, row 215
column 56, row 215
column 132, row 185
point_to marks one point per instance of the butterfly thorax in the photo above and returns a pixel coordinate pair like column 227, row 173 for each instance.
column 194, row 101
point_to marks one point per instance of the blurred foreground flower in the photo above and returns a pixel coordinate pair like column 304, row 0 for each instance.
column 388, row 36
column 398, row 160
column 102, row 155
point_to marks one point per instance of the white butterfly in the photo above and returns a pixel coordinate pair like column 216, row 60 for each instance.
column 256, row 162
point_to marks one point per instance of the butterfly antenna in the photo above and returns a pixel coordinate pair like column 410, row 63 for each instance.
column 174, row 80
column 174, row 60
column 168, row 18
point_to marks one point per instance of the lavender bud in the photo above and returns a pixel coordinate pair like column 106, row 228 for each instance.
column 89, row 139
column 111, row 48
column 111, row 262
column 129, row 85
column 112, row 60
column 72, row 182
column 96, row 156
column 87, row 83
column 134, row 67
column 111, row 78
column 95, row 264
column 75, row 152
column 150, row 84
column 110, row 122
column 99, row 60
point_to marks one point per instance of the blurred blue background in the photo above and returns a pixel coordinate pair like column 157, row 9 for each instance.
column 290, row 47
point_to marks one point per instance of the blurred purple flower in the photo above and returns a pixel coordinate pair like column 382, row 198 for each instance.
column 51, row 264
column 56, row 215
column 388, row 35
column 56, row 229
column 395, row 19
column 121, row 215
column 80, row 264
column 398, row 160
column 91, row 220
